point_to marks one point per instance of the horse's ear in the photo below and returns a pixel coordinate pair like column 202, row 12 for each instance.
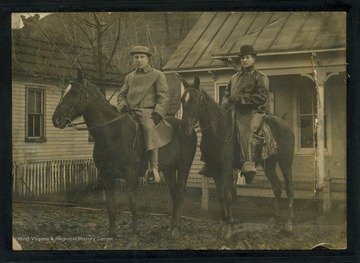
column 196, row 82
column 80, row 76
column 185, row 83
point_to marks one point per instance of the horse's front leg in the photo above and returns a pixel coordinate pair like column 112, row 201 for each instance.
column 228, row 199
column 170, row 179
column 177, row 186
column 132, row 183
column 109, row 187
column 228, row 189
column 220, row 192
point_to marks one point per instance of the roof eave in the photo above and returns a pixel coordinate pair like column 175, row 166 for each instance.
column 167, row 71
column 225, row 56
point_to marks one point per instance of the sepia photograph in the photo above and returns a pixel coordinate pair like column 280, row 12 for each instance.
column 177, row 130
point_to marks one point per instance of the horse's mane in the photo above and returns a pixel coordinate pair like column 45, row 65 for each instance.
column 210, row 99
column 100, row 98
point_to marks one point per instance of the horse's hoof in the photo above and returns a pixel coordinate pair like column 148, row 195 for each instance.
column 133, row 240
column 288, row 226
column 112, row 234
column 110, row 245
column 227, row 235
column 175, row 234
column 221, row 228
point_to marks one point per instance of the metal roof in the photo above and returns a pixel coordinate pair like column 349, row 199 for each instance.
column 220, row 34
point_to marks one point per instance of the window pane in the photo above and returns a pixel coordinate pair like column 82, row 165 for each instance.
column 221, row 92
column 30, row 125
column 306, row 102
column 307, row 131
column 35, row 114
column 38, row 101
column 37, row 125
column 31, row 101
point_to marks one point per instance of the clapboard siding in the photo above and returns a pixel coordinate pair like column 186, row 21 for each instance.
column 59, row 144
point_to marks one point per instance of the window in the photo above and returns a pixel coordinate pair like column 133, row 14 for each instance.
column 306, row 118
column 35, row 126
column 220, row 92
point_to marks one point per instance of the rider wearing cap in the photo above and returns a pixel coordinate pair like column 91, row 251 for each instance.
column 145, row 92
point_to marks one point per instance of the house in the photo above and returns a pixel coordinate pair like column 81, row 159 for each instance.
column 47, row 160
column 304, row 56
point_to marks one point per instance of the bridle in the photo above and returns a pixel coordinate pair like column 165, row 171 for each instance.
column 202, row 99
column 75, row 125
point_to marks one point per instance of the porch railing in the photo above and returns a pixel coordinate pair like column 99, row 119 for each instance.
column 38, row 178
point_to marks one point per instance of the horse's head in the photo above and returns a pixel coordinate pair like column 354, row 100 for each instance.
column 72, row 103
column 192, row 101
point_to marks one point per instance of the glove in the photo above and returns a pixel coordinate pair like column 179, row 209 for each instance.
column 232, row 100
column 124, row 109
column 156, row 117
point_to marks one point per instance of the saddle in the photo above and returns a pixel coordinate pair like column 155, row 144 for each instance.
column 268, row 148
column 270, row 145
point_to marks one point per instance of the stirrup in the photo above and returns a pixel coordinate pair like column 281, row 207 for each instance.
column 152, row 176
column 249, row 176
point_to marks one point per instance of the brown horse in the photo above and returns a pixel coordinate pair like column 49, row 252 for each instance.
column 119, row 149
column 218, row 145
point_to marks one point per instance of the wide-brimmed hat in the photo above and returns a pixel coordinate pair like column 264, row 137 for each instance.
column 247, row 50
column 140, row 50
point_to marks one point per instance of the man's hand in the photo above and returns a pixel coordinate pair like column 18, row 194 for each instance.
column 156, row 117
column 232, row 99
column 124, row 109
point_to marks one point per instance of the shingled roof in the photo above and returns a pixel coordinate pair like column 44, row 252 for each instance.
column 219, row 35
column 49, row 59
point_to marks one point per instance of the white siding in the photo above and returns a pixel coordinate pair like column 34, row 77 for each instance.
column 60, row 144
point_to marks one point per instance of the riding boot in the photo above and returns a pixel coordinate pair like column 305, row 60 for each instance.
column 248, row 169
column 153, row 175
column 204, row 170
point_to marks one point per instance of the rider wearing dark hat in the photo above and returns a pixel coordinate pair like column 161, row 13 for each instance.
column 145, row 92
column 248, row 92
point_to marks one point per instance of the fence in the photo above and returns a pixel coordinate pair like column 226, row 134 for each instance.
column 51, row 177
column 33, row 179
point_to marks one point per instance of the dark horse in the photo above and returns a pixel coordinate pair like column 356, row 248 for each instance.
column 218, row 145
column 119, row 150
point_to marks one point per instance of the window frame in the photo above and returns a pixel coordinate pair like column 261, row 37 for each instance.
column 42, row 137
column 297, row 126
column 217, row 91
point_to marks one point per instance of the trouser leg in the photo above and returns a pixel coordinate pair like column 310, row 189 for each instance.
column 153, row 175
column 250, row 132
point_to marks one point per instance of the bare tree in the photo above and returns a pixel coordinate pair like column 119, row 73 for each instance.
column 98, row 43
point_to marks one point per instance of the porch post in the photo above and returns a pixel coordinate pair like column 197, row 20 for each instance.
column 320, row 78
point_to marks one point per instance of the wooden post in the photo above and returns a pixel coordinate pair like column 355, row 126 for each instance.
column 320, row 77
column 205, row 193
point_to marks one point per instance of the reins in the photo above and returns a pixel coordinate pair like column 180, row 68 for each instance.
column 213, row 122
column 75, row 125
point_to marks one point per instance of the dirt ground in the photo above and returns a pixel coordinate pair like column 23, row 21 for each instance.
column 79, row 222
